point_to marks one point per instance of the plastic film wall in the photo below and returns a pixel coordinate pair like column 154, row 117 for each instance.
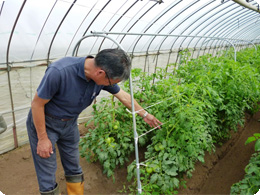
column 35, row 32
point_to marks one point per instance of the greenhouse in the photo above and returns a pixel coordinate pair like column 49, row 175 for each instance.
column 195, row 68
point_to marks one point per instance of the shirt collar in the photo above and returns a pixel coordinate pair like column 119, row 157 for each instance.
column 81, row 70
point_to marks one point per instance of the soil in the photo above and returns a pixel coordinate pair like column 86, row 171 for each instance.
column 220, row 170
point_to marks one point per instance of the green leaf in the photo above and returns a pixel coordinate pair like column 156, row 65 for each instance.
column 244, row 186
column 251, row 168
column 254, row 181
column 172, row 171
column 103, row 156
column 109, row 173
column 121, row 160
column 169, row 162
column 201, row 159
column 118, row 152
column 176, row 182
column 257, row 135
column 257, row 145
column 190, row 149
column 250, row 139
column 154, row 178
column 126, row 139
column 107, row 164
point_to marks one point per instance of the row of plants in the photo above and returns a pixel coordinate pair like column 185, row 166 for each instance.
column 251, row 182
column 200, row 102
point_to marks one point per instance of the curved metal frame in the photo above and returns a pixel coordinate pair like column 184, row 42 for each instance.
column 8, row 74
column 80, row 27
column 170, row 31
column 95, row 18
column 206, row 32
column 196, row 21
column 38, row 38
column 225, row 28
column 199, row 26
column 159, row 48
column 149, row 9
column 235, row 52
column 221, row 19
column 2, row 7
column 149, row 26
column 53, row 38
column 232, row 24
column 116, row 21
column 167, row 22
column 230, row 29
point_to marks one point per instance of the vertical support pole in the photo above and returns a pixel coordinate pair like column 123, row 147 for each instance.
column 168, row 61
column 139, row 186
column 12, row 106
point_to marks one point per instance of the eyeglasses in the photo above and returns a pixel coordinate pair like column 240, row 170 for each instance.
column 110, row 84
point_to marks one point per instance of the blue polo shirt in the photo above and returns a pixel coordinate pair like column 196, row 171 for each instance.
column 68, row 89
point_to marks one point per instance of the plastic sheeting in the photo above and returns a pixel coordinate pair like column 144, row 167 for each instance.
column 52, row 27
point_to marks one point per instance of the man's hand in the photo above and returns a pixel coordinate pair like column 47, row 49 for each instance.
column 125, row 98
column 44, row 148
column 152, row 121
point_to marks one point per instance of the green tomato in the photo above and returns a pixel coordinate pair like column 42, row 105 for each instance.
column 115, row 127
column 109, row 140
column 156, row 147
column 149, row 169
column 161, row 147
column 156, row 168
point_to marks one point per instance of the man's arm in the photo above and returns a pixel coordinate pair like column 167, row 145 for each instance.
column 44, row 147
column 125, row 98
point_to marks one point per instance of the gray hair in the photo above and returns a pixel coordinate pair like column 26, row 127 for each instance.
column 115, row 62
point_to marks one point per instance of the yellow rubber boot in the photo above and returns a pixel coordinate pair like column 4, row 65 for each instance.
column 75, row 184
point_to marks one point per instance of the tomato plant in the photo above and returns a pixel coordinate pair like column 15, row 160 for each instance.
column 200, row 103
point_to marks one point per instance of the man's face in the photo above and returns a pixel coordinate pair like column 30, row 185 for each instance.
column 110, row 82
column 104, row 79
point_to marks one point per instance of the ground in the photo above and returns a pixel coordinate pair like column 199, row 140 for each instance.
column 220, row 170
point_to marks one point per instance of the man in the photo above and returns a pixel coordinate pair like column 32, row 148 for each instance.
column 69, row 86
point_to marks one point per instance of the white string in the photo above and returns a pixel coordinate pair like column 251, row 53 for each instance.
column 148, row 106
column 143, row 163
column 151, row 130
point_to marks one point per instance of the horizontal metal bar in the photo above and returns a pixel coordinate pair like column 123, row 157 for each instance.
column 12, row 111
column 170, row 35
column 26, row 61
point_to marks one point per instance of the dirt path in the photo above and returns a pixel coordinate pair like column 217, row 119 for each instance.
column 230, row 169
column 220, row 171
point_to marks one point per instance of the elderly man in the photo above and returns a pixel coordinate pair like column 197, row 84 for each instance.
column 69, row 86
